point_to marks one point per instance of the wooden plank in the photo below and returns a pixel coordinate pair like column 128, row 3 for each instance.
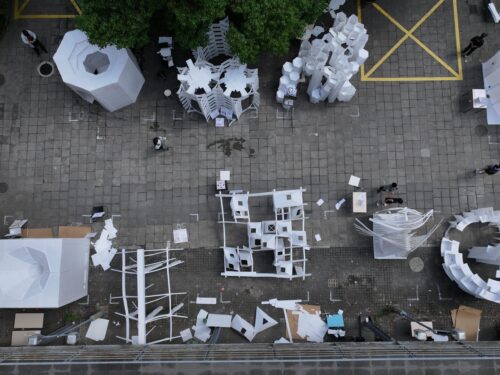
column 74, row 232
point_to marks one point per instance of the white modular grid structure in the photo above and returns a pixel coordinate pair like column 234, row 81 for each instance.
column 139, row 268
column 453, row 260
column 394, row 231
column 109, row 75
column 330, row 59
column 491, row 77
column 226, row 90
column 217, row 43
column 43, row 272
column 278, row 235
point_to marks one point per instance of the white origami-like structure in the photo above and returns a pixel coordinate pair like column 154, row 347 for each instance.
column 43, row 272
column 330, row 59
column 225, row 90
column 284, row 235
column 108, row 75
column 139, row 268
column 394, row 232
column 491, row 77
column 217, row 43
column 460, row 272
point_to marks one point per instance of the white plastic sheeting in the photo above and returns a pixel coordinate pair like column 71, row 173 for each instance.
column 394, row 232
column 43, row 272
column 491, row 77
column 108, row 75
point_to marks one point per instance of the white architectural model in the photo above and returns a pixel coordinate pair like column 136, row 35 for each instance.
column 108, row 75
column 330, row 59
column 394, row 232
column 139, row 268
column 43, row 272
column 217, row 43
column 225, row 90
column 491, row 77
column 460, row 272
column 284, row 235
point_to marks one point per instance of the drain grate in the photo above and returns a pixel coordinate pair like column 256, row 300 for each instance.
column 3, row 187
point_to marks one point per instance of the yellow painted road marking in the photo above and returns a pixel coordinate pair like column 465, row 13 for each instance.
column 18, row 12
column 409, row 34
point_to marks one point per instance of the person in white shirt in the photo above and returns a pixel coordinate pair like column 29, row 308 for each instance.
column 160, row 143
column 29, row 37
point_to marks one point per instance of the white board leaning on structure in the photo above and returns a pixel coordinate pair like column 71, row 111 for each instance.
column 108, row 75
column 43, row 272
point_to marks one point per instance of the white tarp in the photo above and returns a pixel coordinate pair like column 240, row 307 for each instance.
column 491, row 77
column 108, row 75
column 43, row 272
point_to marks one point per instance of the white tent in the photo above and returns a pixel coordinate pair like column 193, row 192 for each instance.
column 43, row 272
column 109, row 75
column 491, row 77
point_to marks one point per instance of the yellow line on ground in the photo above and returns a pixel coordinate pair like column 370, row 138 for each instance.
column 45, row 16
column 77, row 7
column 407, row 32
column 410, row 79
column 457, row 39
column 415, row 39
column 25, row 4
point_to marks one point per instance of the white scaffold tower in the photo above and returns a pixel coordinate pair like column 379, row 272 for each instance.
column 136, row 306
column 226, row 90
column 284, row 235
column 217, row 42
column 394, row 232
column 330, row 59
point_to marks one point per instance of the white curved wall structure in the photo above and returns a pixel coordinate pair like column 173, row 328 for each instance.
column 108, row 75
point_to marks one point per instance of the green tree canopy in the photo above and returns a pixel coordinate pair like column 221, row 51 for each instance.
column 256, row 26
column 124, row 23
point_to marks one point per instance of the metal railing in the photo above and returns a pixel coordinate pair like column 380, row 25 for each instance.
column 326, row 352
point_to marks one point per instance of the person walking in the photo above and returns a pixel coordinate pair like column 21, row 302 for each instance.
column 29, row 37
column 474, row 44
column 160, row 143
column 490, row 169
column 389, row 188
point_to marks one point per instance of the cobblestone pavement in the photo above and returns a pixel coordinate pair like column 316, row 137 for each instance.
column 60, row 156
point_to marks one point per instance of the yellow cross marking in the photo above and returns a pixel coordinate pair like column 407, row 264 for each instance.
column 19, row 9
column 409, row 35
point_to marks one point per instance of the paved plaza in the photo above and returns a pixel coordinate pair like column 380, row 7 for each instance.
column 60, row 156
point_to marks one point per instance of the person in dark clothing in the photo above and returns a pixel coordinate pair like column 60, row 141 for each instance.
column 160, row 143
column 391, row 200
column 490, row 169
column 389, row 188
column 29, row 37
column 474, row 44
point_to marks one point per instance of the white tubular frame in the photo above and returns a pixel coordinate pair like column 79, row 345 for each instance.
column 289, row 248
column 140, row 269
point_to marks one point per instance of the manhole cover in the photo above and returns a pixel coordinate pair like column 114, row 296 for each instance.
column 3, row 187
column 2, row 79
column 46, row 69
column 416, row 264
column 481, row 130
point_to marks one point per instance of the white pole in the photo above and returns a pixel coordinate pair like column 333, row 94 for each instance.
column 141, row 299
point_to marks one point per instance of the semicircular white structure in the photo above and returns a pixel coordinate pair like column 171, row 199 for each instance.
column 108, row 75
column 460, row 272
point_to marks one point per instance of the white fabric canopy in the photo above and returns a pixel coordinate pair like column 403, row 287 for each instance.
column 43, row 272
column 109, row 75
column 491, row 77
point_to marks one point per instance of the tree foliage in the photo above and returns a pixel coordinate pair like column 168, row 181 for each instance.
column 124, row 23
column 256, row 26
